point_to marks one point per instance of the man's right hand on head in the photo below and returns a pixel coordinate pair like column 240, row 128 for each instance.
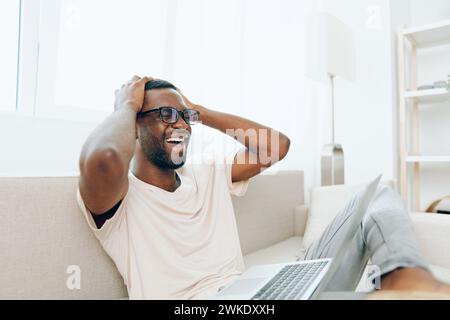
column 131, row 94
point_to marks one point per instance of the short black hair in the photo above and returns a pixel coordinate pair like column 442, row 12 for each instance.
column 159, row 84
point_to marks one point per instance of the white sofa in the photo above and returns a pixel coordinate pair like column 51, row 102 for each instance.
column 43, row 234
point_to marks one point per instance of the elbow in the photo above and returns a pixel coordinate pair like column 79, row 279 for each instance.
column 280, row 151
column 102, row 163
column 285, row 144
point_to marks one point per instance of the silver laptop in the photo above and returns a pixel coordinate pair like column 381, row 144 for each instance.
column 301, row 280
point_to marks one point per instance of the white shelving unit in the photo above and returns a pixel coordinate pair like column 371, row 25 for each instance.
column 429, row 159
column 428, row 96
column 431, row 35
column 414, row 39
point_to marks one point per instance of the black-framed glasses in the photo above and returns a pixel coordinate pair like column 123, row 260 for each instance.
column 171, row 115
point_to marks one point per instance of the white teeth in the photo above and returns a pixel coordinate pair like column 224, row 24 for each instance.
column 178, row 136
column 181, row 139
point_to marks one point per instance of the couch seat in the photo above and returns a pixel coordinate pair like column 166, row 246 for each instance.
column 284, row 251
column 289, row 250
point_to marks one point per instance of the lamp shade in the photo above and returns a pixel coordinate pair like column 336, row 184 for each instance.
column 330, row 48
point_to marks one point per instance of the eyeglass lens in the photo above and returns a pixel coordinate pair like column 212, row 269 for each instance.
column 170, row 115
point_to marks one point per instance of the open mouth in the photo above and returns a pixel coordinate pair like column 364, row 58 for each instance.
column 174, row 140
column 178, row 137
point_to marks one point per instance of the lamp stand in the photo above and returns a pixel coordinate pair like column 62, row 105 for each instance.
column 332, row 159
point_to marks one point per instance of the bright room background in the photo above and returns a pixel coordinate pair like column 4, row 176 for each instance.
column 61, row 61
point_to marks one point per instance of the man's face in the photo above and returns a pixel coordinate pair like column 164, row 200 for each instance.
column 156, row 137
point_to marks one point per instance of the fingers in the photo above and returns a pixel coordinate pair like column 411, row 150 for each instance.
column 139, row 79
column 135, row 80
column 132, row 93
column 144, row 80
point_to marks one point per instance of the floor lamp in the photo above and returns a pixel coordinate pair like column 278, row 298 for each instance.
column 330, row 53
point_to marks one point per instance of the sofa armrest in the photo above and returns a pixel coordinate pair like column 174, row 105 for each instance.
column 300, row 219
column 433, row 233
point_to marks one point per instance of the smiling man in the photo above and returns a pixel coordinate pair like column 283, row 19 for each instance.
column 169, row 227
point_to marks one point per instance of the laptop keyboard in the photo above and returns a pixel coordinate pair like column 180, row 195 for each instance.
column 291, row 282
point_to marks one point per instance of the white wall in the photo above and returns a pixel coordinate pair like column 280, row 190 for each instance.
column 364, row 109
column 429, row 11
column 226, row 56
column 399, row 16
column 250, row 61
column 35, row 146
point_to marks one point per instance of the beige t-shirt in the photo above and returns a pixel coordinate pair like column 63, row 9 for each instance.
column 180, row 245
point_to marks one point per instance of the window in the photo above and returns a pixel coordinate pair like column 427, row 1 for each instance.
column 88, row 49
column 9, row 35
column 63, row 59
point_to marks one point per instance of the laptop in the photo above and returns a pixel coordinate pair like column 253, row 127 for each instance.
column 300, row 280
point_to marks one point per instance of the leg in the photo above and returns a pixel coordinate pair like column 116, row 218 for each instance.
column 393, row 246
column 327, row 246
column 413, row 279
column 389, row 234
column 385, row 234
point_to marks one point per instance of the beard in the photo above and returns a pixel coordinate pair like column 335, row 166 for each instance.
column 155, row 151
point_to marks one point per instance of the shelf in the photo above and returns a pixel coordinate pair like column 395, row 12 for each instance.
column 429, row 159
column 410, row 41
column 429, row 35
column 429, row 96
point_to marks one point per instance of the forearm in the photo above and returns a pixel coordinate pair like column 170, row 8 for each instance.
column 113, row 140
column 256, row 137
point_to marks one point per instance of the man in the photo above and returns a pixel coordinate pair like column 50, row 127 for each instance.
column 170, row 228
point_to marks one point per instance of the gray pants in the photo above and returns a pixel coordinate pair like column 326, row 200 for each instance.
column 385, row 235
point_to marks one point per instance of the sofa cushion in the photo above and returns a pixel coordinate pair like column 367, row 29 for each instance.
column 325, row 203
column 287, row 251
column 265, row 215
column 45, row 243
column 440, row 273
column 284, row 251
column 433, row 232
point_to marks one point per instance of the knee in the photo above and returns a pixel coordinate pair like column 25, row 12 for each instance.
column 386, row 193
column 383, row 189
column 386, row 199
